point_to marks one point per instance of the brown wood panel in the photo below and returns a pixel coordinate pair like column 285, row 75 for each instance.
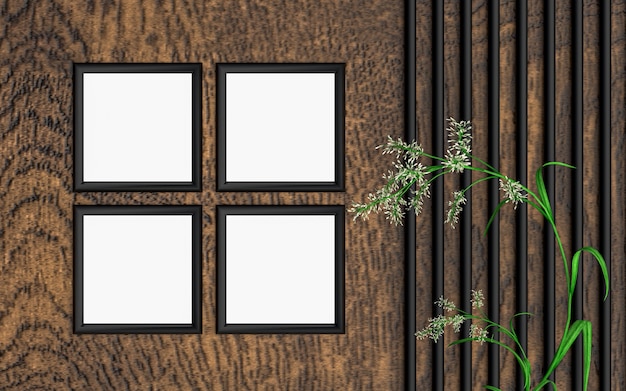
column 618, row 198
column 563, row 207
column 38, row 43
column 452, row 264
column 593, row 291
column 564, row 195
column 424, row 269
column 480, row 123
column 40, row 40
column 535, row 153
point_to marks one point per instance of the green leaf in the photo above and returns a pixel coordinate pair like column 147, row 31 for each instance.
column 601, row 262
column 541, row 186
column 587, row 336
column 543, row 194
column 559, row 164
column 493, row 216
column 434, row 168
column 463, row 340
column 492, row 388
column 511, row 326
column 544, row 382
column 578, row 327
column 523, row 362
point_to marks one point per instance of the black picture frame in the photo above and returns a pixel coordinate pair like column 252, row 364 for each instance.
column 97, row 281
column 336, row 164
column 163, row 104
column 253, row 296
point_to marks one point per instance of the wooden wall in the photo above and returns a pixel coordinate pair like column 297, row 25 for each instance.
column 541, row 80
column 520, row 123
column 39, row 41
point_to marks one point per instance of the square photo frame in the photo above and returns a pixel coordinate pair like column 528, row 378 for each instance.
column 137, row 127
column 280, row 269
column 280, row 127
column 137, row 269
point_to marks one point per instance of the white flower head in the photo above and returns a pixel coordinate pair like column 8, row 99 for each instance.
column 407, row 171
column 513, row 191
column 395, row 211
column 456, row 206
column 434, row 330
column 477, row 299
column 417, row 199
column 445, row 304
column 457, row 321
column 412, row 150
column 459, row 136
column 478, row 333
column 456, row 161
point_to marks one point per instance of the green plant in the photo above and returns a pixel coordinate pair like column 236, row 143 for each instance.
column 393, row 199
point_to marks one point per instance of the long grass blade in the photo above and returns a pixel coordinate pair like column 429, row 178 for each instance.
column 523, row 362
column 575, row 266
column 577, row 328
column 542, row 192
column 493, row 216
column 541, row 186
column 587, row 335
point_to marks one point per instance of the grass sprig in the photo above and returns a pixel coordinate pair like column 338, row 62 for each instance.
column 408, row 186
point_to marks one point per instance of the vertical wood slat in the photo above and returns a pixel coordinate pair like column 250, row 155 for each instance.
column 410, row 224
column 466, row 180
column 38, row 349
column 493, row 300
column 437, row 186
column 521, row 288
column 549, row 155
column 577, row 182
column 605, row 187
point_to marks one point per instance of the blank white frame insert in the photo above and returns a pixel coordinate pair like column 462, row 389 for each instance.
column 281, row 268
column 280, row 126
column 137, row 126
column 136, row 266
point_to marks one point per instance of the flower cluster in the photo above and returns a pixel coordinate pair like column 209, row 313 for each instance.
column 456, row 206
column 436, row 326
column 459, row 137
column 458, row 155
column 477, row 299
column 478, row 334
column 446, row 304
column 455, row 162
column 408, row 185
column 408, row 171
column 513, row 191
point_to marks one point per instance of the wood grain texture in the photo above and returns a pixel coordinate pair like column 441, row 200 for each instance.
column 592, row 218
column 40, row 40
column 618, row 189
column 424, row 269
column 38, row 43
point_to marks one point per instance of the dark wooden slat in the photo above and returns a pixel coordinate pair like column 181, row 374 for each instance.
column 605, row 185
column 549, row 155
column 577, row 183
column 493, row 299
column 410, row 224
column 521, row 288
column 437, row 186
column 36, row 187
column 38, row 43
column 466, row 180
